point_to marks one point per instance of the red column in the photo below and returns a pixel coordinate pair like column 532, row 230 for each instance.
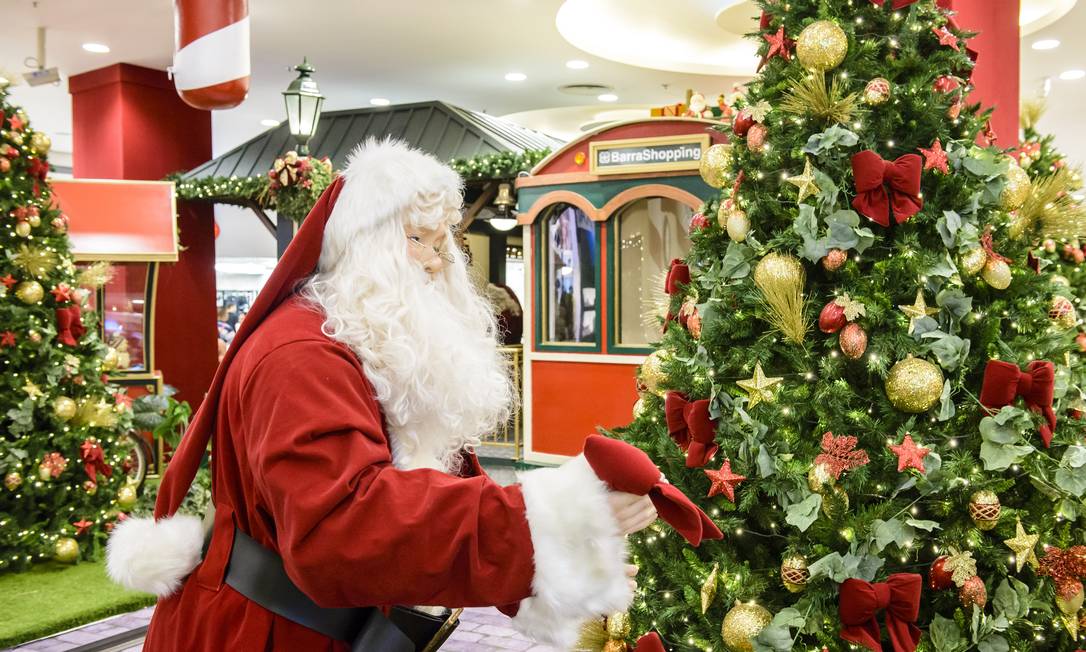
column 129, row 123
column 996, row 76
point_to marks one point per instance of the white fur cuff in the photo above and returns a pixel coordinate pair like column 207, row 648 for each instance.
column 154, row 556
column 580, row 556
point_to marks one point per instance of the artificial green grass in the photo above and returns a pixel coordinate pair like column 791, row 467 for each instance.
column 53, row 597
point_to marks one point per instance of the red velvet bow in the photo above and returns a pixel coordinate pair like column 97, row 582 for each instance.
column 1004, row 381
column 884, row 186
column 628, row 469
column 689, row 425
column 70, row 325
column 94, row 460
column 677, row 274
column 860, row 602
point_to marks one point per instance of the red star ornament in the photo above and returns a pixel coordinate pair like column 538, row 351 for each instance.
column 16, row 123
column 779, row 45
column 62, row 293
column 82, row 526
column 7, row 338
column 935, row 158
column 946, row 38
column 8, row 281
column 724, row 481
column 909, row 455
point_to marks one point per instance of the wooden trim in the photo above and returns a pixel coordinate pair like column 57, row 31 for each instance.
column 585, row 177
column 650, row 190
column 559, row 197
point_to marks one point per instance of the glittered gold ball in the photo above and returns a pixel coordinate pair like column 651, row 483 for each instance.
column 877, row 91
column 819, row 478
column 34, row 219
column 914, row 385
column 794, row 573
column 66, row 550
column 1070, row 604
column 973, row 593
column 734, row 220
column 652, row 372
column 984, row 509
column 64, row 408
column 618, row 625
column 1062, row 312
column 126, row 497
column 997, row 273
column 835, row 503
column 41, row 142
column 853, row 341
column 614, row 646
column 22, row 229
column 12, row 481
column 973, row 260
column 777, row 268
column 29, row 292
column 1059, row 279
column 639, row 408
column 821, row 46
column 1016, row 188
column 743, row 623
column 715, row 162
column 44, row 473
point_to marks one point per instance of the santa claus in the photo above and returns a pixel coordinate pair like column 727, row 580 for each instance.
column 342, row 419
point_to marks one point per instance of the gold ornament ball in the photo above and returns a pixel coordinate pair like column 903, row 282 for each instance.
column 743, row 623
column 984, row 509
column 974, row 260
column 853, row 341
column 22, row 229
column 819, row 478
column 1016, row 188
column 29, row 292
column 973, row 593
column 64, row 408
column 652, row 372
column 41, row 142
column 618, row 625
column 997, row 273
column 715, row 162
column 821, row 46
column 734, row 220
column 877, row 91
column 44, row 473
column 126, row 497
column 614, row 646
column 1070, row 604
column 778, row 268
column 34, row 336
column 1062, row 312
column 90, row 487
column 34, row 219
column 12, row 481
column 914, row 385
column 794, row 573
column 639, row 408
column 835, row 503
column 16, row 137
column 66, row 550
column 1059, row 279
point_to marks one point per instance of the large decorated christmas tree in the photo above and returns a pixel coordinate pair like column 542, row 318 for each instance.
column 60, row 444
column 863, row 375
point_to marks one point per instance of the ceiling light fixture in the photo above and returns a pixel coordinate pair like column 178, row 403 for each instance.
column 268, row 122
column 576, row 64
column 97, row 48
column 1046, row 44
column 380, row 101
column 1072, row 75
column 515, row 76
column 607, row 97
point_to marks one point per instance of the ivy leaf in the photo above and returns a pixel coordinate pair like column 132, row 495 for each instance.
column 947, row 409
column 842, row 236
column 766, row 467
column 868, row 567
column 994, row 643
column 997, row 457
column 835, row 136
column 806, row 226
column 803, row 514
column 1007, row 602
column 1074, row 456
column 1068, row 509
column 948, row 226
column 945, row 268
column 867, row 238
column 954, row 301
column 828, row 191
column 777, row 637
column 22, row 417
column 927, row 526
column 951, row 350
column 1073, row 481
column 736, row 263
column 945, row 634
column 887, row 532
column 831, row 566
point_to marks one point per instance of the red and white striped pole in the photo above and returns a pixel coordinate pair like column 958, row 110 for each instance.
column 211, row 62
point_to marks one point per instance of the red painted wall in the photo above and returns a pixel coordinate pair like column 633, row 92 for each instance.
column 996, row 76
column 569, row 399
column 129, row 123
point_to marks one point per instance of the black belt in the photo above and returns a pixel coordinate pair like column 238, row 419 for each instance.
column 258, row 574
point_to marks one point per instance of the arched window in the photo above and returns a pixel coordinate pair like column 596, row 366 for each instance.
column 569, row 278
column 648, row 233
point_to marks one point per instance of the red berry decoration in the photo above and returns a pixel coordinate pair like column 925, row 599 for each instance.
column 939, row 578
column 832, row 318
column 698, row 222
column 973, row 593
column 742, row 123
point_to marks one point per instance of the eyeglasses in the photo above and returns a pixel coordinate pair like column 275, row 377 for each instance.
column 440, row 253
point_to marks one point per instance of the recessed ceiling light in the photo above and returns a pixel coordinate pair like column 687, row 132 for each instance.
column 268, row 122
column 1071, row 75
column 607, row 97
column 96, row 48
column 576, row 64
column 1046, row 44
column 379, row 101
column 515, row 76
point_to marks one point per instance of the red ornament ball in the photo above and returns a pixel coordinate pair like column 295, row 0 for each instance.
column 939, row 578
column 698, row 222
column 742, row 123
column 834, row 260
column 973, row 593
column 756, row 136
column 853, row 341
column 1080, row 339
column 832, row 317
column 5, row 165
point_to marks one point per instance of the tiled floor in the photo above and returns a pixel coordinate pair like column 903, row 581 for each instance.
column 480, row 630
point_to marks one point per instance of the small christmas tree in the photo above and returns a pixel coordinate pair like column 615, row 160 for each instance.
column 860, row 373
column 60, row 424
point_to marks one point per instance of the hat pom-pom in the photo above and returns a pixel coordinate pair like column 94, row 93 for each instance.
column 154, row 556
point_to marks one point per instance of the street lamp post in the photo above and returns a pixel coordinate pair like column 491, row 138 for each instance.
column 303, row 101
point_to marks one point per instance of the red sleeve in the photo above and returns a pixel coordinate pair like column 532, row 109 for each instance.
column 352, row 529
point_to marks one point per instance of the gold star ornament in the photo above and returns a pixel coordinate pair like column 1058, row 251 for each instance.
column 759, row 387
column 805, row 182
column 1022, row 544
column 32, row 390
column 918, row 310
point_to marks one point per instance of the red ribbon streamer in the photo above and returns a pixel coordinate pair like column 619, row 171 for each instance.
column 986, row 242
column 94, row 460
column 689, row 425
column 884, row 186
column 1004, row 382
column 70, row 325
column 861, row 601
column 628, row 469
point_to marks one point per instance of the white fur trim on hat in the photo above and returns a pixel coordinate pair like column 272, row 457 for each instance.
column 580, row 556
column 154, row 556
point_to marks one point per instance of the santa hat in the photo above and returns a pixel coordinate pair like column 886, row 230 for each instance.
column 381, row 179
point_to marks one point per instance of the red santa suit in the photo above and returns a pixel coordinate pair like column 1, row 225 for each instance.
column 302, row 463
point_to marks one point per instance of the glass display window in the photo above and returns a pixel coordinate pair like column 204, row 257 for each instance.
column 124, row 314
column 569, row 279
column 647, row 234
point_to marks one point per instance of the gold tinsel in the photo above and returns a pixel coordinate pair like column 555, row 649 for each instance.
column 604, row 634
column 812, row 95
column 36, row 262
column 780, row 277
column 1051, row 206
column 95, row 276
column 1030, row 112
